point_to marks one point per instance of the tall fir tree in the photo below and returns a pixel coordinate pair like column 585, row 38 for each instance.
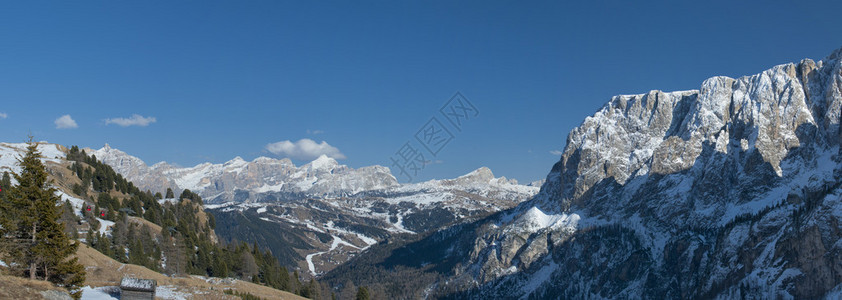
column 6, row 213
column 363, row 293
column 37, row 239
column 6, row 182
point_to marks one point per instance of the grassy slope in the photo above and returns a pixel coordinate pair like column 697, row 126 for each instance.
column 12, row 287
column 104, row 271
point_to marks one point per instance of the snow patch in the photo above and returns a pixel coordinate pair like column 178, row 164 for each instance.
column 170, row 200
column 215, row 206
column 534, row 219
column 337, row 241
column 104, row 226
column 310, row 264
column 323, row 163
column 89, row 293
column 77, row 203
column 369, row 241
column 170, row 292
column 269, row 188
column 236, row 165
column 535, row 281
column 10, row 152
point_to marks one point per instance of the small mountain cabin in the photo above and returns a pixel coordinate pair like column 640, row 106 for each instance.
column 137, row 289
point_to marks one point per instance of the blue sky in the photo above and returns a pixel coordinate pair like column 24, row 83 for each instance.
column 226, row 79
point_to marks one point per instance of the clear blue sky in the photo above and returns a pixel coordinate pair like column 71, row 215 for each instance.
column 225, row 79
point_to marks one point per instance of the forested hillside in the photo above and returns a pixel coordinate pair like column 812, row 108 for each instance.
column 171, row 235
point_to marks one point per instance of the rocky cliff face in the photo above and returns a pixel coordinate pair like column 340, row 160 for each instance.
column 732, row 190
column 697, row 193
column 243, row 181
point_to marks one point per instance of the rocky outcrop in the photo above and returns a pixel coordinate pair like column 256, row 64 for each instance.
column 243, row 181
column 705, row 179
column 732, row 190
column 271, row 180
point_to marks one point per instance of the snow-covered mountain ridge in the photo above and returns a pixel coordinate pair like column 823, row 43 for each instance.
column 313, row 201
column 11, row 152
column 732, row 190
column 731, row 163
column 322, row 213
column 243, row 181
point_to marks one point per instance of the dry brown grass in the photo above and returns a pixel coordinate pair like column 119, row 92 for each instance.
column 104, row 271
column 155, row 228
column 12, row 287
column 64, row 179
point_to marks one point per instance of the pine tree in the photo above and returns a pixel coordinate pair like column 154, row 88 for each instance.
column 294, row 283
column 39, row 242
column 313, row 289
column 170, row 194
column 6, row 212
column 362, row 293
column 6, row 182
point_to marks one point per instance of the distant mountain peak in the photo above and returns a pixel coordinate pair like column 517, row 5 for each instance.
column 482, row 174
column 243, row 181
column 323, row 162
column 235, row 161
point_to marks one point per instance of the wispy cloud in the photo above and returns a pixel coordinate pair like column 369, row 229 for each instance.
column 556, row 152
column 316, row 131
column 304, row 149
column 134, row 120
column 3, row 116
column 65, row 122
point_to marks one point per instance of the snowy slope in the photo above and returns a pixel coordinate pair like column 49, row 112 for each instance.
column 265, row 178
column 243, row 181
column 11, row 152
column 305, row 201
column 726, row 192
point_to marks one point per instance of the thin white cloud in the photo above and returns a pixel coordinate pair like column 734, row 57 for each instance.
column 65, row 122
column 556, row 152
column 316, row 131
column 304, row 149
column 135, row 120
column 3, row 116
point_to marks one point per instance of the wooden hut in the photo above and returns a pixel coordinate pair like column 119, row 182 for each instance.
column 137, row 289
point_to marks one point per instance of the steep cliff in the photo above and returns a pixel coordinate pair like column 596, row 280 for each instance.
column 732, row 190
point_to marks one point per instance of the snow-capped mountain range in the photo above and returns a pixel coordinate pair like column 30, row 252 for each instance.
column 730, row 191
column 315, row 216
column 242, row 181
column 322, row 213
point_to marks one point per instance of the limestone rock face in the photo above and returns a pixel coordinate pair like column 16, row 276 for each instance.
column 243, row 181
column 732, row 190
column 664, row 133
